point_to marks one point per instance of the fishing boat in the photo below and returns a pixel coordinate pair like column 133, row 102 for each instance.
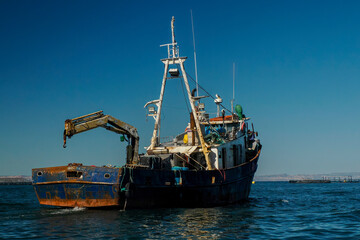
column 211, row 163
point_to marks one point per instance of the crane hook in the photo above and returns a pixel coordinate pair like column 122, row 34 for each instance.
column 64, row 145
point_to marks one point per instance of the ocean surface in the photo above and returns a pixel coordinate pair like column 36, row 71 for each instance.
column 276, row 210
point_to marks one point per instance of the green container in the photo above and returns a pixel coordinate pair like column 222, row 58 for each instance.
column 239, row 111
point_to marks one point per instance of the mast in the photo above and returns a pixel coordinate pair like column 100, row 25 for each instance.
column 173, row 36
column 155, row 136
column 172, row 55
column 174, row 59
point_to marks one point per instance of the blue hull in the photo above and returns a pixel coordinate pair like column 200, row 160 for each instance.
column 77, row 186
column 146, row 188
column 139, row 187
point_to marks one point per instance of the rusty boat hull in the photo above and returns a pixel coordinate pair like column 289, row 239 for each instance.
column 77, row 186
column 133, row 187
column 156, row 188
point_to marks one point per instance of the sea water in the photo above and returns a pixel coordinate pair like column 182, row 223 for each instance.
column 275, row 210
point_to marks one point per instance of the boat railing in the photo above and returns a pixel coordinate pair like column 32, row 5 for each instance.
column 167, row 139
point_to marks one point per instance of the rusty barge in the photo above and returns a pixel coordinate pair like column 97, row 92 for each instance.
column 211, row 163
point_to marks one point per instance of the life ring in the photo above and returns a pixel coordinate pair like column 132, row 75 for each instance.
column 242, row 126
column 226, row 118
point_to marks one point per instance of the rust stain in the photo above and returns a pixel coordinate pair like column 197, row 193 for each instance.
column 70, row 195
column 73, row 181
column 80, row 202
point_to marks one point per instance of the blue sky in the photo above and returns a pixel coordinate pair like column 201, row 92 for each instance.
column 297, row 76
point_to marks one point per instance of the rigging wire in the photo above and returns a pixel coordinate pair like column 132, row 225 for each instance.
column 182, row 86
column 184, row 160
column 196, row 76
column 209, row 94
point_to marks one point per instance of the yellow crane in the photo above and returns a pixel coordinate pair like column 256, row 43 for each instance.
column 99, row 119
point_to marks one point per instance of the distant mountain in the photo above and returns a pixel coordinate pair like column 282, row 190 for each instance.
column 15, row 180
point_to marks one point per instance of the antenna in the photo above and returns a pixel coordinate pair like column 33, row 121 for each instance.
column 196, row 76
column 233, row 99
column 173, row 35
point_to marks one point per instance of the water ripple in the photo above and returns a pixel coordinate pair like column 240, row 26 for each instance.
column 274, row 211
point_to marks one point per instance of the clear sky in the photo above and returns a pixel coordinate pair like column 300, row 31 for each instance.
column 297, row 76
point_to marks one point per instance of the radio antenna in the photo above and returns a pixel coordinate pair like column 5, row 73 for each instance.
column 196, row 76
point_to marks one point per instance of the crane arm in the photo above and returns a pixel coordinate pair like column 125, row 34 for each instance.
column 98, row 119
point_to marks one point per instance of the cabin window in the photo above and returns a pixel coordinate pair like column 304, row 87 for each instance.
column 74, row 174
column 106, row 175
column 223, row 157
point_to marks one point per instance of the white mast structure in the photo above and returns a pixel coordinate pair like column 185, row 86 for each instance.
column 174, row 59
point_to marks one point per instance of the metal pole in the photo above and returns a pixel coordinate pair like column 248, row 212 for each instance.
column 197, row 123
column 173, row 36
column 159, row 105
column 196, row 76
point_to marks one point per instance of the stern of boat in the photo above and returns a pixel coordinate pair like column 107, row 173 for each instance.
column 76, row 185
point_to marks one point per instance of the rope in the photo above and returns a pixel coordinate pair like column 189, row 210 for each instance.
column 206, row 91
column 122, row 179
column 258, row 153
column 131, row 175
column 189, row 162
column 220, row 173
column 182, row 86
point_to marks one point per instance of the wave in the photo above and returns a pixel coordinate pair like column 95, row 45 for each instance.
column 68, row 210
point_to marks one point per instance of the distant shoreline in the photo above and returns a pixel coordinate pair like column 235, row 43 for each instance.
column 15, row 180
column 336, row 177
